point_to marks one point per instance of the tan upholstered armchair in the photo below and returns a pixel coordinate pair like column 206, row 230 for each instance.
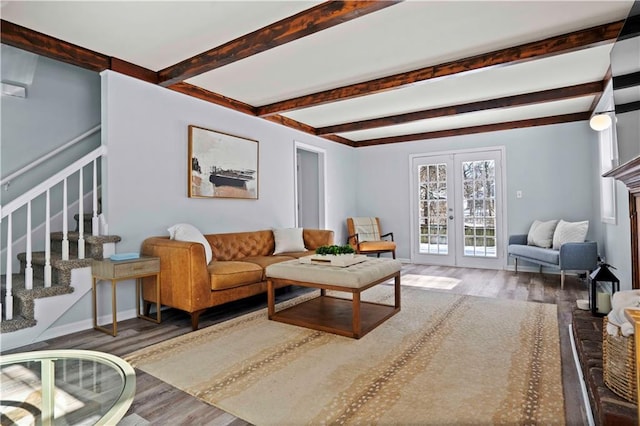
column 366, row 237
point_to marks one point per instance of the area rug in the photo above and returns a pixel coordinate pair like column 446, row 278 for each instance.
column 443, row 359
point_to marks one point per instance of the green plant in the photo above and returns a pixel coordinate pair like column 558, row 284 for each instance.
column 346, row 249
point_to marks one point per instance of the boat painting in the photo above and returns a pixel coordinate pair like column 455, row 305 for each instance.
column 222, row 165
column 234, row 178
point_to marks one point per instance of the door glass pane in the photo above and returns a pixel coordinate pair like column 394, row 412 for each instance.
column 478, row 192
column 433, row 209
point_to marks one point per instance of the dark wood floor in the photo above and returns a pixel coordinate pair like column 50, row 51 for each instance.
column 160, row 403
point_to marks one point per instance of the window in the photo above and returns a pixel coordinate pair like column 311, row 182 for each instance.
column 608, row 160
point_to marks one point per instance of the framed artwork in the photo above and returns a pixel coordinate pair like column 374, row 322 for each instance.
column 222, row 165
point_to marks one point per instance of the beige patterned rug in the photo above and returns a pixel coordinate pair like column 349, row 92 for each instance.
column 443, row 359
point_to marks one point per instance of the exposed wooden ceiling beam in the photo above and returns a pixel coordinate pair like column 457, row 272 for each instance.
column 565, row 43
column 318, row 18
column 566, row 118
column 550, row 95
column 133, row 70
column 205, row 95
column 290, row 122
column 340, row 139
column 50, row 47
column 60, row 50
column 293, row 124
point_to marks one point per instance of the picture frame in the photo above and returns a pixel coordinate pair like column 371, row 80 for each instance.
column 221, row 165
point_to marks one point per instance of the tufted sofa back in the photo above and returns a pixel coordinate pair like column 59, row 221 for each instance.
column 237, row 245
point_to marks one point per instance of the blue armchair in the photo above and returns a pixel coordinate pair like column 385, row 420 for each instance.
column 571, row 256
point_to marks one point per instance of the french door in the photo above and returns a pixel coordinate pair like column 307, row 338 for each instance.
column 456, row 205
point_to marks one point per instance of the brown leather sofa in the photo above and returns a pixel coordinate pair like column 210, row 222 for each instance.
column 235, row 272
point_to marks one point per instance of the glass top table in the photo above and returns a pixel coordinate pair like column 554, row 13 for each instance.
column 65, row 387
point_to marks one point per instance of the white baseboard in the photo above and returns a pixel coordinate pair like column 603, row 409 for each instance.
column 83, row 325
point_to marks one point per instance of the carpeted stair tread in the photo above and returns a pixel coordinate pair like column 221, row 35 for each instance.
column 17, row 323
column 37, row 291
column 23, row 306
column 88, row 238
column 38, row 259
column 94, row 244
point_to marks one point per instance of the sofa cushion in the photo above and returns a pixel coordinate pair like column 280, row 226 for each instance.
column 186, row 232
column 538, row 253
column 230, row 273
column 264, row 261
column 570, row 232
column 289, row 239
column 541, row 233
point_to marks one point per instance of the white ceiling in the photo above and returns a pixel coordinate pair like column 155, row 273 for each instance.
column 400, row 38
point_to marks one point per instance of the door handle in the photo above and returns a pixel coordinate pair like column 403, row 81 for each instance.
column 450, row 217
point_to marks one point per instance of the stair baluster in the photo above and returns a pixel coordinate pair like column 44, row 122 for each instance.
column 8, row 298
column 65, row 224
column 81, row 215
column 28, row 270
column 95, row 224
column 47, row 241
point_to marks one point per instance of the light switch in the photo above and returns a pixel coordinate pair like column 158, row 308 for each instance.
column 518, row 194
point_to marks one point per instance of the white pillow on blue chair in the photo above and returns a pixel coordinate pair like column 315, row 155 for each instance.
column 541, row 233
column 570, row 232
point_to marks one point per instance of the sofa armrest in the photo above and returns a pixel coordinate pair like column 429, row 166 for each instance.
column 184, row 279
column 579, row 256
column 520, row 239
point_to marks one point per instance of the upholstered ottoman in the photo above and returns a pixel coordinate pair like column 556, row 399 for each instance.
column 351, row 318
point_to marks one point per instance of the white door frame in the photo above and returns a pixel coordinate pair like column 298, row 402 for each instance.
column 322, row 181
column 501, row 226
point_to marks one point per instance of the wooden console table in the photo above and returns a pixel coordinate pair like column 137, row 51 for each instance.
column 115, row 271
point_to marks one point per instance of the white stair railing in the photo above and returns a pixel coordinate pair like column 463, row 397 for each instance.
column 5, row 182
column 27, row 199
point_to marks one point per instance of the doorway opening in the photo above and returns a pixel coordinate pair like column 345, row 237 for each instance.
column 309, row 191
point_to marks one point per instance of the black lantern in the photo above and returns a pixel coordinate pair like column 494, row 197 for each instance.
column 603, row 285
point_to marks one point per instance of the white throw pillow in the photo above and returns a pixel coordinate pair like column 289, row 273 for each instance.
column 570, row 232
column 186, row 232
column 541, row 233
column 288, row 240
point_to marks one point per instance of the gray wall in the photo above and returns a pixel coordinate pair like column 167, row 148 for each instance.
column 62, row 102
column 552, row 165
column 617, row 239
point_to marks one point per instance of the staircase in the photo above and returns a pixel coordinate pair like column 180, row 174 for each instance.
column 24, row 299
column 52, row 278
